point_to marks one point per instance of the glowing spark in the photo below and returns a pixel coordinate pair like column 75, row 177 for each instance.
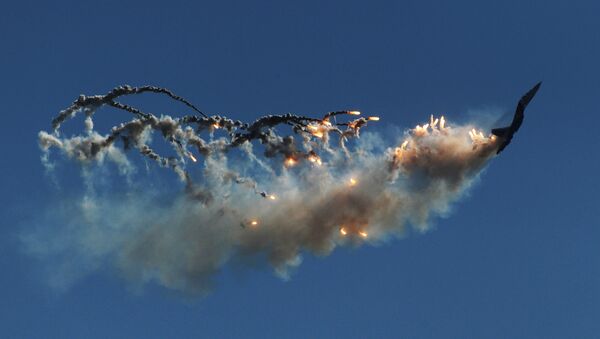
column 290, row 162
column 314, row 159
column 354, row 112
column 374, row 118
column 400, row 150
column 316, row 130
column 215, row 126
column 254, row 222
column 343, row 231
column 191, row 156
column 272, row 197
column 442, row 122
column 363, row 234
column 353, row 182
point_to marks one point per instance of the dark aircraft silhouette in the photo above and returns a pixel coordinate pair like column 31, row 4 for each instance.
column 505, row 134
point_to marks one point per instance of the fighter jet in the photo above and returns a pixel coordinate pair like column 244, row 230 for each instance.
column 505, row 134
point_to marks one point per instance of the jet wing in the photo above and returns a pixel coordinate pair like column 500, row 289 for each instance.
column 506, row 133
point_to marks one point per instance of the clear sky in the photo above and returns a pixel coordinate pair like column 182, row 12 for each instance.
column 517, row 258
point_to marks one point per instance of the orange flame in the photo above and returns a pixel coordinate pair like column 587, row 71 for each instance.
column 354, row 112
column 353, row 182
column 314, row 159
column 373, row 118
column 363, row 234
column 290, row 162
column 343, row 231
column 318, row 130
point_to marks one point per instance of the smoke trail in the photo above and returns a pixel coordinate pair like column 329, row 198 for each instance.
column 309, row 190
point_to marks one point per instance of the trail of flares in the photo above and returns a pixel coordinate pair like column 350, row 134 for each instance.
column 315, row 196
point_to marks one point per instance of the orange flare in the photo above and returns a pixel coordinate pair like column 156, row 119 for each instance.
column 314, row 159
column 363, row 234
column 254, row 222
column 433, row 122
column 343, row 231
column 353, row 182
column 374, row 118
column 354, row 112
column 290, row 162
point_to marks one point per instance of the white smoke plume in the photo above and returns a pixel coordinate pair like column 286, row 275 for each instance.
column 249, row 190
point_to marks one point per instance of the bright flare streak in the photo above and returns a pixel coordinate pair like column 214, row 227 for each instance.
column 477, row 136
column 363, row 234
column 192, row 157
column 374, row 118
column 433, row 122
column 353, row 182
column 254, row 222
column 354, row 112
column 421, row 130
column 272, row 197
column 215, row 126
column 442, row 122
column 343, row 231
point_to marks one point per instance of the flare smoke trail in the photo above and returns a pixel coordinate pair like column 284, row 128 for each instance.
column 311, row 190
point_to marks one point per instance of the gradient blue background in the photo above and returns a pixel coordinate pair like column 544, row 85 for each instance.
column 518, row 258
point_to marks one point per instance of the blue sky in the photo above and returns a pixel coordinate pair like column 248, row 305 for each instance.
column 518, row 257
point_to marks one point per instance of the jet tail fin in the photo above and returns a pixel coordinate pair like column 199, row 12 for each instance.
column 501, row 132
